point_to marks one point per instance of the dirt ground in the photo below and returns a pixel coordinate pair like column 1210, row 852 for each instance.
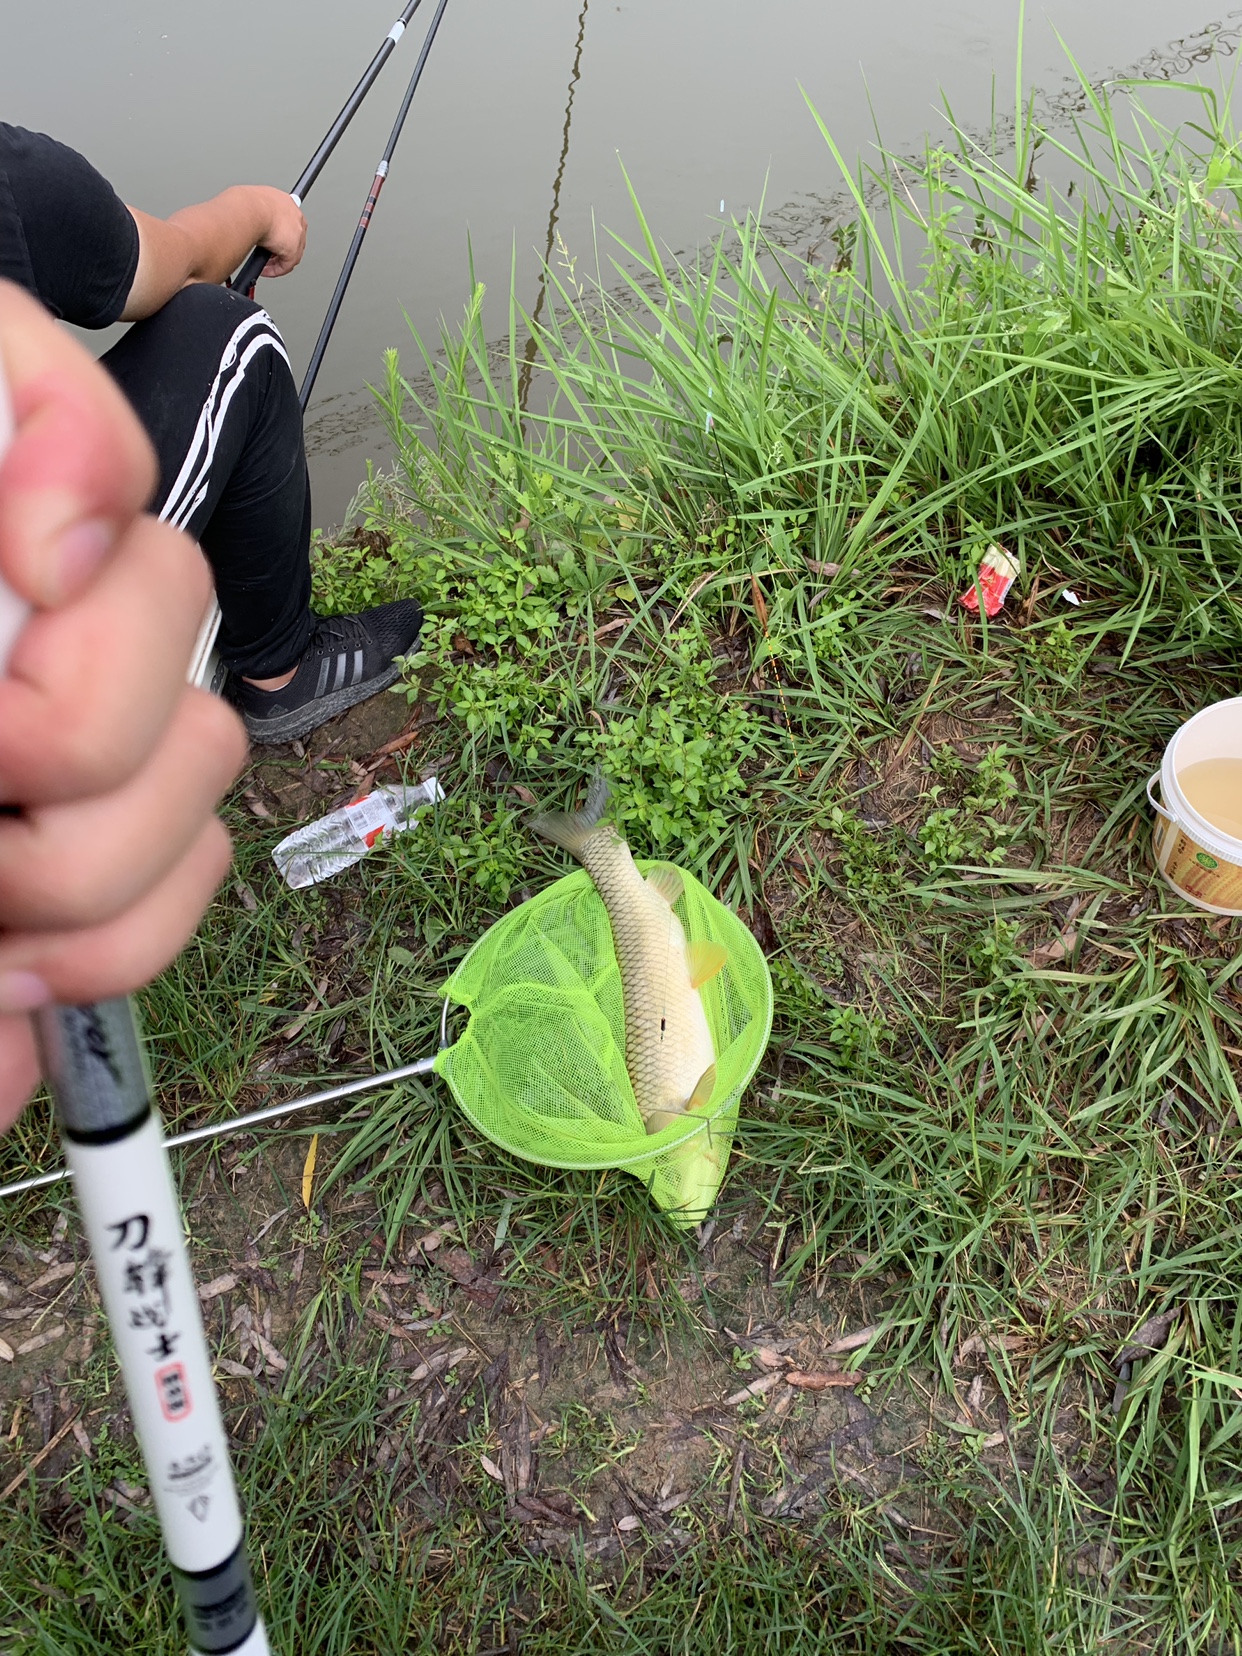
column 599, row 1433
column 602, row 1433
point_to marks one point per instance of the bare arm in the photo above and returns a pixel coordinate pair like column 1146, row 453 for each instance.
column 205, row 243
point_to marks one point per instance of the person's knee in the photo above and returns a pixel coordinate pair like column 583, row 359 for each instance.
column 206, row 305
column 197, row 326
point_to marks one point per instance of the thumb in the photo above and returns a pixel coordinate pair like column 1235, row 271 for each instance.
column 79, row 468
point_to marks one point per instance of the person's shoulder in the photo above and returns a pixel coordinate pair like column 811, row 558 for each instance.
column 70, row 238
column 22, row 140
column 14, row 141
column 23, row 148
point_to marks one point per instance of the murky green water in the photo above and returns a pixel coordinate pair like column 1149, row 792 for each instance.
column 525, row 115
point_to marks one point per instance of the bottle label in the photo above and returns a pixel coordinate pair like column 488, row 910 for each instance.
column 370, row 818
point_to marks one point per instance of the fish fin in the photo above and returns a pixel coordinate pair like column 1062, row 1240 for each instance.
column 704, row 961
column 658, row 1120
column 572, row 831
column 701, row 1096
column 666, row 883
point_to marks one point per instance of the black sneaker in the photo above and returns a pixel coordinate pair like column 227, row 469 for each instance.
column 349, row 658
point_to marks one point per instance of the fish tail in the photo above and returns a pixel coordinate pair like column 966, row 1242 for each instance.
column 571, row 832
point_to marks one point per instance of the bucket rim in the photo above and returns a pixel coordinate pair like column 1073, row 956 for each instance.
column 1177, row 807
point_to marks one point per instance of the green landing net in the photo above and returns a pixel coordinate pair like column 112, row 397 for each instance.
column 540, row 1067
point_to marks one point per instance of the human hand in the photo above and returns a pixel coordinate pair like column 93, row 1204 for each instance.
column 285, row 237
column 114, row 764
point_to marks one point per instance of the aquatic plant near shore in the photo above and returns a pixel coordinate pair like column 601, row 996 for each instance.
column 995, row 358
column 752, row 454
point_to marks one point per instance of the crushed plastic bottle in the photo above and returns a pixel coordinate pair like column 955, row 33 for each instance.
column 318, row 850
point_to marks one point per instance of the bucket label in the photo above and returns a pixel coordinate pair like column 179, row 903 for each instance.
column 1196, row 873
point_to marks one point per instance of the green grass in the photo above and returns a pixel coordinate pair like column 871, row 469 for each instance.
column 719, row 554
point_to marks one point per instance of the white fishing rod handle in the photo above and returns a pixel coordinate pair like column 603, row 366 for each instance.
column 114, row 1144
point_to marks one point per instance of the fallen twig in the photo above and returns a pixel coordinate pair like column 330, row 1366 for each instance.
column 755, row 1389
column 851, row 1342
column 821, row 1380
column 16, row 1483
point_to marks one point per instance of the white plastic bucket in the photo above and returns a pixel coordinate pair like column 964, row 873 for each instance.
column 1199, row 860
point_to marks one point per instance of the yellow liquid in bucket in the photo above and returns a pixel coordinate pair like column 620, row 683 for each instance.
column 1213, row 787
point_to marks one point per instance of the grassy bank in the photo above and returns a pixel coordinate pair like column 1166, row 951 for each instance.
column 710, row 534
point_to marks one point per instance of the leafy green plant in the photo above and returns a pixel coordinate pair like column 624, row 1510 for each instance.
column 677, row 761
column 994, row 784
column 488, row 852
column 1058, row 649
column 969, row 831
column 869, row 862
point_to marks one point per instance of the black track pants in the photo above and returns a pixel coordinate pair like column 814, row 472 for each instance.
column 209, row 379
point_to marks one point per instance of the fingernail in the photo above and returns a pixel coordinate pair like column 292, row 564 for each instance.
column 80, row 551
column 23, row 992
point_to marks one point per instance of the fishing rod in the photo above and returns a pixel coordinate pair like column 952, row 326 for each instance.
column 203, row 662
column 113, row 1141
column 377, row 184
column 248, row 275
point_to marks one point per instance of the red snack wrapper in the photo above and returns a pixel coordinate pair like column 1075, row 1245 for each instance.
column 997, row 573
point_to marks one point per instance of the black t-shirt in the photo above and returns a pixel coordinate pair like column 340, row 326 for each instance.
column 65, row 234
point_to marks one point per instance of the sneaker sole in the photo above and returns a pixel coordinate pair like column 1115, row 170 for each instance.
column 300, row 721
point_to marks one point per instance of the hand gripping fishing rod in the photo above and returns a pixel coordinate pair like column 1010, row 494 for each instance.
column 113, row 1142
column 377, row 184
column 248, row 275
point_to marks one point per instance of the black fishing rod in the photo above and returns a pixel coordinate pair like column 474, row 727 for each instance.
column 248, row 275
column 355, row 246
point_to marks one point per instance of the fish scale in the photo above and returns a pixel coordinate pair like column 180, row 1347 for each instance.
column 668, row 1047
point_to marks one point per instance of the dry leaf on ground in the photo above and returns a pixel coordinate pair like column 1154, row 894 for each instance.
column 58, row 1273
column 308, row 1171
column 37, row 1341
column 1147, row 1338
column 1047, row 954
column 217, row 1286
column 975, row 1344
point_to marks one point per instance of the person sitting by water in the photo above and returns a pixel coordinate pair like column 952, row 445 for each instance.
column 205, row 370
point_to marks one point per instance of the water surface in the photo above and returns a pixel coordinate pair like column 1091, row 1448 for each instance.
column 519, row 131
